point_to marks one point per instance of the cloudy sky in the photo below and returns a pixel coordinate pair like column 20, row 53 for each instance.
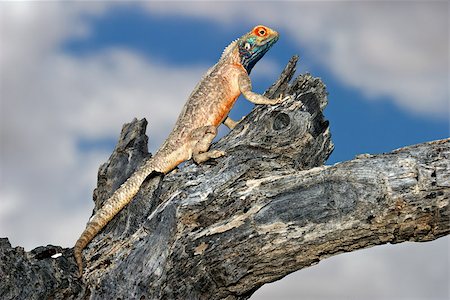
column 71, row 74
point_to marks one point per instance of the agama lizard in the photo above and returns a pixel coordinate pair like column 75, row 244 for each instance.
column 207, row 107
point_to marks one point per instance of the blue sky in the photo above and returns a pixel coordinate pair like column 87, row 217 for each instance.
column 72, row 74
column 359, row 124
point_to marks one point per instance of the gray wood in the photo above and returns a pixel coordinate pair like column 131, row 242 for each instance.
column 269, row 207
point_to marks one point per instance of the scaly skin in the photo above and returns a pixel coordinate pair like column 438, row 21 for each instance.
column 207, row 107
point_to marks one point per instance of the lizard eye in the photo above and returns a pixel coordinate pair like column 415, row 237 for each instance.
column 247, row 46
column 260, row 31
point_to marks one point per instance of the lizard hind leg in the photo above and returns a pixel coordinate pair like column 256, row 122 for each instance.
column 202, row 138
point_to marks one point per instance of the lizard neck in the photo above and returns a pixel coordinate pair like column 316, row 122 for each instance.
column 231, row 55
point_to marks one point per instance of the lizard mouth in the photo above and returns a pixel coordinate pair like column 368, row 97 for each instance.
column 269, row 42
column 248, row 62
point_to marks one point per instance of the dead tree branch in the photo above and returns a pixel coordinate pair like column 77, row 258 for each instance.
column 222, row 229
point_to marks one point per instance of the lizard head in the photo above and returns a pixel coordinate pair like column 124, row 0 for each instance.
column 253, row 45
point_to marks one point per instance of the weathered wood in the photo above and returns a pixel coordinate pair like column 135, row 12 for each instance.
column 269, row 207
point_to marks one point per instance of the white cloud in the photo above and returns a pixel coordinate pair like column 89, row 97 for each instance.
column 50, row 99
column 394, row 49
column 384, row 272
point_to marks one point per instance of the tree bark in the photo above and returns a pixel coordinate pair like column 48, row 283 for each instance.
column 222, row 229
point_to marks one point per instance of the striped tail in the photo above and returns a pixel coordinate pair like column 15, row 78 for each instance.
column 121, row 197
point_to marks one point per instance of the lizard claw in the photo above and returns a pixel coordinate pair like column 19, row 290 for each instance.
column 282, row 99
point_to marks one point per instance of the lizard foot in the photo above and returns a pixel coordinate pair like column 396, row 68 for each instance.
column 282, row 98
column 216, row 153
column 205, row 156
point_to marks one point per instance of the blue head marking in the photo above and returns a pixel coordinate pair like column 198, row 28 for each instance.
column 251, row 52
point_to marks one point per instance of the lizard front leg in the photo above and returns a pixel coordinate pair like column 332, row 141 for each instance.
column 201, row 139
column 245, row 86
column 230, row 123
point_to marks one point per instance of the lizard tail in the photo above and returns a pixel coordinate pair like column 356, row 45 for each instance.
column 121, row 197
